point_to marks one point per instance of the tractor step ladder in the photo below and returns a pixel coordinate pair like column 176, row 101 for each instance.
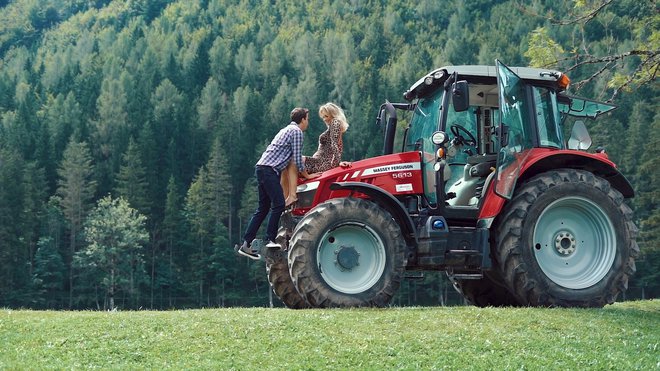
column 468, row 276
column 414, row 275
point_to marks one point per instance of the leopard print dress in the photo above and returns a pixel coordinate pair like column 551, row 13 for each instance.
column 328, row 155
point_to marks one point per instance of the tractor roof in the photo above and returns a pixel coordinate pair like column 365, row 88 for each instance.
column 433, row 78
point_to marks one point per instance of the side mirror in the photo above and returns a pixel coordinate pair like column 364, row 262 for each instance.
column 580, row 138
column 460, row 96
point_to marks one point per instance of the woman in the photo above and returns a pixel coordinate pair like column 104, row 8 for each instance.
column 328, row 154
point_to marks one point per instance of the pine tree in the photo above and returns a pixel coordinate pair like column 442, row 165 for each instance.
column 76, row 190
column 219, row 186
column 198, row 206
column 48, row 277
column 34, row 207
column 132, row 181
column 151, row 159
column 207, row 209
column 13, row 257
column 249, row 203
column 109, row 131
column 647, row 210
column 169, row 276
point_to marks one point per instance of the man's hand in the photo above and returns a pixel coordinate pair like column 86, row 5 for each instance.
column 345, row 164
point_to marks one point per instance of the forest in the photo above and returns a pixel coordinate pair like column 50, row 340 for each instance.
column 136, row 124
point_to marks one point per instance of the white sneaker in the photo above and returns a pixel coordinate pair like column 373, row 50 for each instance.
column 247, row 251
column 273, row 245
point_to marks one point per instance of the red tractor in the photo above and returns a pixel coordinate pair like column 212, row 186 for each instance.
column 485, row 187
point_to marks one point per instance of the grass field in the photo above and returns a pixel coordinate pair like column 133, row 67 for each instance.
column 623, row 336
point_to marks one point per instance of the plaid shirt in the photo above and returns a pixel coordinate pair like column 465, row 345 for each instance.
column 288, row 142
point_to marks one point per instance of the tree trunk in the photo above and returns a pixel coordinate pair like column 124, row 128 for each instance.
column 72, row 251
column 230, row 218
column 170, row 278
column 112, row 289
column 153, row 269
column 201, row 274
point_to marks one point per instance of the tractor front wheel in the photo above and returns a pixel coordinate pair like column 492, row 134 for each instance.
column 277, row 270
column 566, row 239
column 347, row 252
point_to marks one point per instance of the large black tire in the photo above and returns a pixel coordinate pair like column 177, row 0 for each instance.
column 566, row 239
column 277, row 270
column 347, row 252
column 490, row 291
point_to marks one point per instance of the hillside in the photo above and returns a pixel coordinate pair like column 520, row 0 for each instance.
column 163, row 103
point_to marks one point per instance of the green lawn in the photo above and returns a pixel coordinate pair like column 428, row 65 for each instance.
column 623, row 336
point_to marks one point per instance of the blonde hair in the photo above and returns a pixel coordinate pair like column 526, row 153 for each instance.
column 336, row 113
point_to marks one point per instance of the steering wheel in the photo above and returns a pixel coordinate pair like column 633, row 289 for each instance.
column 457, row 129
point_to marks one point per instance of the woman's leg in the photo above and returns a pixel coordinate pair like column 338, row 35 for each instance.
column 291, row 172
column 284, row 180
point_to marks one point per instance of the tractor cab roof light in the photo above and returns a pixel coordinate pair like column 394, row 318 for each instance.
column 564, row 81
column 437, row 75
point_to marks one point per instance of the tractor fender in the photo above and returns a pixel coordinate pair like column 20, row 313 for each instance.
column 385, row 200
column 544, row 161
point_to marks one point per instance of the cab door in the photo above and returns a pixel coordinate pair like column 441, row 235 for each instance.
column 513, row 129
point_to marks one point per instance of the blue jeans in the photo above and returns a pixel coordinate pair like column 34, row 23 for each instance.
column 271, row 197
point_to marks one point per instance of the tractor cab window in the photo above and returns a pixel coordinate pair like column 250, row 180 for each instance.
column 547, row 117
column 423, row 123
column 514, row 129
column 462, row 130
column 418, row 138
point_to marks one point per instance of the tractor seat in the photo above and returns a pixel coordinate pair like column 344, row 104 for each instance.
column 481, row 165
column 479, row 159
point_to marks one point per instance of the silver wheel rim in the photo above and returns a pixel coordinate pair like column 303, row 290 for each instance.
column 351, row 258
column 574, row 242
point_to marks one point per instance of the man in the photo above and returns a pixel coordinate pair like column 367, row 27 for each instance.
column 287, row 144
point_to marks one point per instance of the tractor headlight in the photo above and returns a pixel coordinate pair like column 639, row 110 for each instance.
column 306, row 193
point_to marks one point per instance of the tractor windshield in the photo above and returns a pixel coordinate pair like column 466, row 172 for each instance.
column 423, row 123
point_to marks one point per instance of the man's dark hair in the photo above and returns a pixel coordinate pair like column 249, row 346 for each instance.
column 298, row 114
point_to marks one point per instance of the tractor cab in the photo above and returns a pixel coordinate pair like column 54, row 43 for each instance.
column 477, row 125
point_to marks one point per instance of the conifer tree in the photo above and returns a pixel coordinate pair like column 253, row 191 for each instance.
column 76, row 189
column 34, row 207
column 198, row 206
column 12, row 253
column 49, row 273
column 132, row 180
column 109, row 131
column 174, row 241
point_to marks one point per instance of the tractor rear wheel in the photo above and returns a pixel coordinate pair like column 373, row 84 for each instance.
column 347, row 252
column 277, row 270
column 566, row 239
